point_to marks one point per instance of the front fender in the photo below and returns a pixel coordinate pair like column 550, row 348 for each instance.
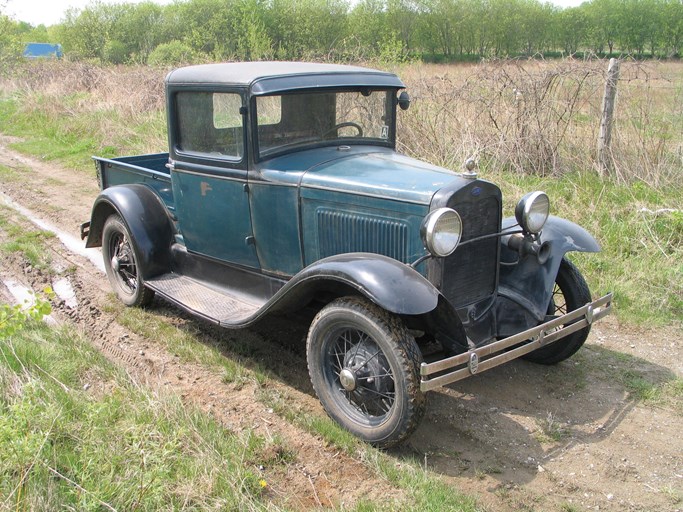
column 529, row 284
column 147, row 220
column 388, row 283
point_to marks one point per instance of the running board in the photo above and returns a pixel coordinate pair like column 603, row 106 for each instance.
column 199, row 299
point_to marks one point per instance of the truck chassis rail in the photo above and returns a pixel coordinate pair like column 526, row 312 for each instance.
column 487, row 357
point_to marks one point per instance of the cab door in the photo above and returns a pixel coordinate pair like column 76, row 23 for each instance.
column 209, row 175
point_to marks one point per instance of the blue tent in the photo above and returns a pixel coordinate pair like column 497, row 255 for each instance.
column 43, row 50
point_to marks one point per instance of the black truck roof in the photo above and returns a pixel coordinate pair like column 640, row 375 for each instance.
column 273, row 77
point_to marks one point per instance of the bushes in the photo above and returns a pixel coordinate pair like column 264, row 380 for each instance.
column 172, row 54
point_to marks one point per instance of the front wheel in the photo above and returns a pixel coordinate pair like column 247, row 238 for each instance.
column 121, row 265
column 569, row 293
column 364, row 366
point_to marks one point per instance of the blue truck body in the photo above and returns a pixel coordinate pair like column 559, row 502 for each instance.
column 283, row 188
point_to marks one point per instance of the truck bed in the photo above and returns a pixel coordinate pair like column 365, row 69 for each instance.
column 149, row 170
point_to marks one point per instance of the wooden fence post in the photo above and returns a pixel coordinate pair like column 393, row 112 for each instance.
column 608, row 101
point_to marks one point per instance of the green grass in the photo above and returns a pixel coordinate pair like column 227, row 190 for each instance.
column 426, row 493
column 186, row 343
column 30, row 243
column 550, row 430
column 645, row 382
column 64, row 132
column 663, row 394
column 75, row 432
column 8, row 174
column 425, row 490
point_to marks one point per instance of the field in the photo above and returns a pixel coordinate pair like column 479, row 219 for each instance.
column 600, row 430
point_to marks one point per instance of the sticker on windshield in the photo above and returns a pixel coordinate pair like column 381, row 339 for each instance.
column 385, row 132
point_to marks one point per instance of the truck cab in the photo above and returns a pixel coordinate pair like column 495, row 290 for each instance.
column 282, row 188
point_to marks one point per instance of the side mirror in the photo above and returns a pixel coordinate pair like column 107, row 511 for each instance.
column 403, row 100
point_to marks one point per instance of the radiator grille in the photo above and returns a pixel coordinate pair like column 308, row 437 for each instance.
column 342, row 232
column 471, row 272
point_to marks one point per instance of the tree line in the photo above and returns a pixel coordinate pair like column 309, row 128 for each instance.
column 432, row 30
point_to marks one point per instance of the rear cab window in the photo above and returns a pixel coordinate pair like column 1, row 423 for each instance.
column 210, row 123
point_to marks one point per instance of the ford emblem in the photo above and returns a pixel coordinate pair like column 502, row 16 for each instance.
column 476, row 191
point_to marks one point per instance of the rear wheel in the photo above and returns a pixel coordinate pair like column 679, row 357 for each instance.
column 569, row 293
column 121, row 264
column 364, row 366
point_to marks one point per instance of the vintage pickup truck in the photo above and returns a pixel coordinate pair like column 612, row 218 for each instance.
column 282, row 188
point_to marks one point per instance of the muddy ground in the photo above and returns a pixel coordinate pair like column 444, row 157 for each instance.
column 520, row 437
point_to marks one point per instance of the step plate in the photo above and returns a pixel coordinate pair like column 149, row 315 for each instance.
column 201, row 300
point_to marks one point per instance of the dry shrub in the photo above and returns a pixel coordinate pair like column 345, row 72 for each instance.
column 128, row 89
column 109, row 104
column 543, row 117
column 648, row 133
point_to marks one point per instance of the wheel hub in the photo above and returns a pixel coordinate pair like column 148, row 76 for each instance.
column 365, row 368
column 347, row 378
column 115, row 264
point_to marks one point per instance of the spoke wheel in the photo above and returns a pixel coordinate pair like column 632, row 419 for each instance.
column 364, row 367
column 569, row 293
column 121, row 265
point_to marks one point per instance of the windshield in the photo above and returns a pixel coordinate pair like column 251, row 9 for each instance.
column 339, row 117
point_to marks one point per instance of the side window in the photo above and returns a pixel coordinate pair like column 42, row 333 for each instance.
column 210, row 123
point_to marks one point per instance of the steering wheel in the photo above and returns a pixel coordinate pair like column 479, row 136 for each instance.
column 336, row 128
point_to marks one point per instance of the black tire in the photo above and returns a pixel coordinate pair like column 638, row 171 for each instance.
column 569, row 293
column 120, row 262
column 353, row 340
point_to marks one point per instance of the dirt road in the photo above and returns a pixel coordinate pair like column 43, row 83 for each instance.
column 521, row 437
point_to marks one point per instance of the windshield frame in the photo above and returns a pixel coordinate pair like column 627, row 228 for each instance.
column 389, row 142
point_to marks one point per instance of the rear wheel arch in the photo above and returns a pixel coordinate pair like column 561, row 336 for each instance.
column 145, row 217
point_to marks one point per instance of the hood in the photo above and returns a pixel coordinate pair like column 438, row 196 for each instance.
column 383, row 174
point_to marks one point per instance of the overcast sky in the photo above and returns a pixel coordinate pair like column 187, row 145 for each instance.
column 49, row 12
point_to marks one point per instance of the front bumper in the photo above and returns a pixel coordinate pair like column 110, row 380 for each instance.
column 480, row 359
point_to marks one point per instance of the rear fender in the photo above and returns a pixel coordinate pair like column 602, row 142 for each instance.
column 528, row 283
column 148, row 222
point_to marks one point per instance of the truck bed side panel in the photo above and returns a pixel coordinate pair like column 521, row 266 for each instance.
column 149, row 170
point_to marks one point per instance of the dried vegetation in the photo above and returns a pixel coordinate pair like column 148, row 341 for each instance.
column 538, row 117
column 543, row 117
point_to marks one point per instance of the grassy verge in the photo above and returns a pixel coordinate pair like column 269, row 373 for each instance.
column 75, row 432
column 64, row 131
column 23, row 239
column 424, row 490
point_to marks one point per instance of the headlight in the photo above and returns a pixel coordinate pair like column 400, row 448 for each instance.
column 441, row 231
column 532, row 211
